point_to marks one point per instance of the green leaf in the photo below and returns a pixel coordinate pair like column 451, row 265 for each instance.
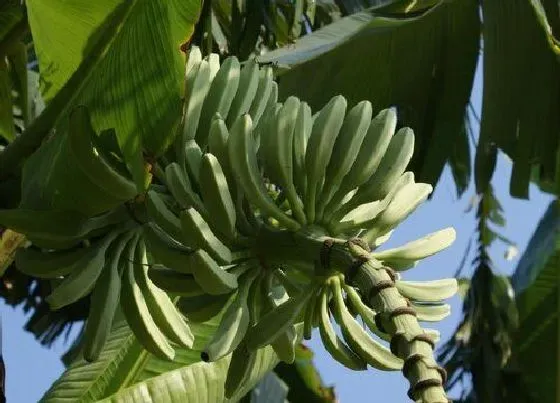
column 520, row 103
column 7, row 129
column 133, row 80
column 536, row 282
column 12, row 24
column 423, row 62
column 126, row 372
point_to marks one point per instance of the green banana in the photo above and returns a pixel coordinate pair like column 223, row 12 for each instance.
column 162, row 309
column 166, row 250
column 284, row 345
column 34, row 262
column 431, row 312
column 180, row 187
column 198, row 235
column 401, row 206
column 374, row 353
column 104, row 301
column 345, row 151
column 416, row 250
column 336, row 347
column 241, row 149
column 240, row 368
column 302, row 132
column 372, row 150
column 209, row 275
column 137, row 314
column 248, row 85
column 82, row 278
column 202, row 308
column 392, row 166
column 59, row 226
column 366, row 313
column 195, row 99
column 275, row 322
column 175, row 282
column 162, row 216
column 220, row 97
column 365, row 214
column 326, row 128
column 427, row 291
column 192, row 160
column 262, row 95
column 233, row 325
column 217, row 197
column 281, row 153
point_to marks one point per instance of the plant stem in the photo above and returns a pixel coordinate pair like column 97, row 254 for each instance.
column 376, row 283
column 408, row 339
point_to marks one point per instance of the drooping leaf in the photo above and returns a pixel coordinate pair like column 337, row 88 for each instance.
column 7, row 129
column 536, row 283
column 125, row 372
column 423, row 62
column 134, row 79
column 520, row 93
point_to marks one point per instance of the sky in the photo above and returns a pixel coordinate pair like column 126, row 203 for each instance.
column 31, row 368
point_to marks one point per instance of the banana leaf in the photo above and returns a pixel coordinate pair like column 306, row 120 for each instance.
column 126, row 373
column 122, row 59
column 536, row 282
column 421, row 60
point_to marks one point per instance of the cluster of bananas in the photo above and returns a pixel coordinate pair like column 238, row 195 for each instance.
column 267, row 210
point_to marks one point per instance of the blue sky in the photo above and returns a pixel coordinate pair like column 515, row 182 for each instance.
column 31, row 369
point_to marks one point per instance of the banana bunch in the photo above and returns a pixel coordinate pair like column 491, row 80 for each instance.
column 280, row 213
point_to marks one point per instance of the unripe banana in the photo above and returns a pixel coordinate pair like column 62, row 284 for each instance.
column 416, row 250
column 431, row 312
column 104, row 301
column 326, row 128
column 209, row 275
column 202, row 308
column 162, row 216
column 427, row 291
column 217, row 197
column 284, row 345
column 264, row 90
column 372, row 150
column 175, row 282
column 302, row 132
column 220, row 97
column 180, row 187
column 240, row 367
column 194, row 100
column 276, row 321
column 33, row 262
column 241, row 148
column 165, row 249
column 282, row 135
column 233, row 325
column 248, row 84
column 336, row 347
column 366, row 313
column 392, row 166
column 198, row 235
column 373, row 352
column 345, row 151
column 160, row 306
column 401, row 206
column 137, row 314
column 82, row 279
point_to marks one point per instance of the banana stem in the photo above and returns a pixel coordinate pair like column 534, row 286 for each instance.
column 398, row 319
